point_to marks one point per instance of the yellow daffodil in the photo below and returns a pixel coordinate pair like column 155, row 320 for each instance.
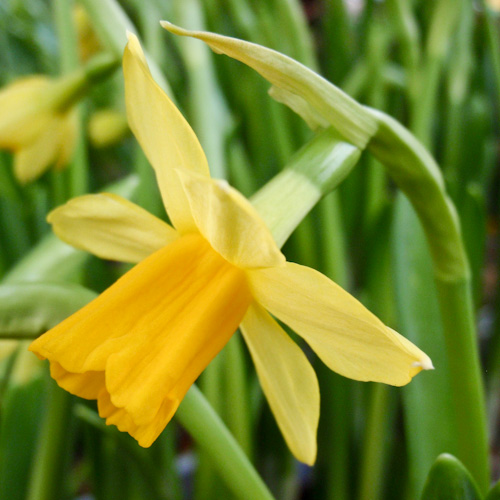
column 140, row 345
column 107, row 127
column 35, row 127
column 38, row 120
column 88, row 43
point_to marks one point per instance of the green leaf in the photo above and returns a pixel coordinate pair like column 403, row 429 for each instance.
column 450, row 480
column 29, row 309
column 494, row 493
column 427, row 402
column 22, row 405
column 53, row 260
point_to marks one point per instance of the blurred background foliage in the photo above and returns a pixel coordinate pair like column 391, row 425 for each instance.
column 434, row 65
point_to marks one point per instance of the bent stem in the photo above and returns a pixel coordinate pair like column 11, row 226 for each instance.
column 418, row 176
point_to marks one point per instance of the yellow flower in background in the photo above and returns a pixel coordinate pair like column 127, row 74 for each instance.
column 88, row 43
column 36, row 126
column 140, row 345
column 107, row 127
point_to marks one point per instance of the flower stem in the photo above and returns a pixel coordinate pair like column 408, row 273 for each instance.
column 111, row 24
column 315, row 170
column 201, row 421
column 492, row 33
column 417, row 175
column 236, row 400
column 50, row 458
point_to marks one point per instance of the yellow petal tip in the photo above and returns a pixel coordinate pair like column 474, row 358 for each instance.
column 223, row 185
column 425, row 364
column 170, row 27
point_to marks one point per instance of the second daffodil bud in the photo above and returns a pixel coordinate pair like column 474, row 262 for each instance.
column 107, row 127
column 38, row 120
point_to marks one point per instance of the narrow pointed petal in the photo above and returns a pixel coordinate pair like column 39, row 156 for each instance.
column 230, row 223
column 346, row 336
column 34, row 159
column 110, row 227
column 287, row 379
column 165, row 137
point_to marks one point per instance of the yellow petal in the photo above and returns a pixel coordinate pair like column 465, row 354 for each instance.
column 230, row 223
column 107, row 127
column 32, row 160
column 22, row 117
column 287, row 379
column 166, row 138
column 151, row 334
column 110, row 227
column 86, row 385
column 144, row 434
column 344, row 334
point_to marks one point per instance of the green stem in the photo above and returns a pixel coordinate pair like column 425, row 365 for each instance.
column 454, row 288
column 236, row 394
column 381, row 408
column 338, row 33
column 314, row 171
column 66, row 34
column 429, row 413
column 335, row 428
column 111, row 24
column 69, row 61
column 458, row 93
column 379, row 421
column 493, row 33
column 291, row 35
column 443, row 23
column 332, row 241
column 416, row 174
column 50, row 458
column 456, row 304
column 409, row 34
column 207, row 107
column 201, row 421
column 207, row 484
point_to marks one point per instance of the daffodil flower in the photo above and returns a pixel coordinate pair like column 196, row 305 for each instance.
column 38, row 132
column 140, row 345
column 107, row 127
column 38, row 120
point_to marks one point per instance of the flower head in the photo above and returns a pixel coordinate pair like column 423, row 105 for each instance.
column 35, row 127
column 139, row 346
column 38, row 120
